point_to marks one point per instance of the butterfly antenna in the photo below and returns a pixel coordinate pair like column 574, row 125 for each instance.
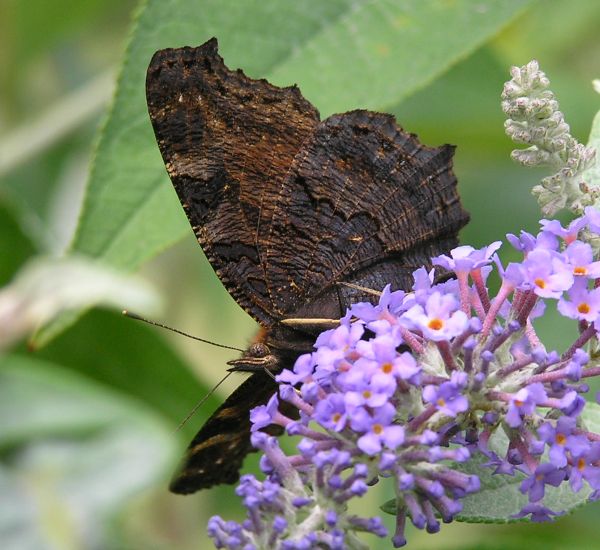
column 138, row 318
column 361, row 288
column 201, row 402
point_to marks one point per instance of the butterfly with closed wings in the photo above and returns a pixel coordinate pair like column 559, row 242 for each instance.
column 288, row 208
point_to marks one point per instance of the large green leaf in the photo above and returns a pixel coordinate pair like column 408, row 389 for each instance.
column 71, row 454
column 134, row 359
column 500, row 498
column 344, row 54
column 15, row 246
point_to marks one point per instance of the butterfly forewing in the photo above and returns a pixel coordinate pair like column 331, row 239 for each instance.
column 227, row 142
column 365, row 203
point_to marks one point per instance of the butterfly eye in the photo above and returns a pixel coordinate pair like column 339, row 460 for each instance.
column 258, row 350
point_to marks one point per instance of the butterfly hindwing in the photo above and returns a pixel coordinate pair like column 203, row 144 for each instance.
column 217, row 452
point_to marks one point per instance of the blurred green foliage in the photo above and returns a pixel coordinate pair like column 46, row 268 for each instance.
column 88, row 422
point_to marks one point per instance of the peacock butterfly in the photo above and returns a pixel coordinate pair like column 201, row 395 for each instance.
column 286, row 207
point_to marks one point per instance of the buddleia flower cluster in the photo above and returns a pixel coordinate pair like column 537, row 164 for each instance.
column 412, row 388
column 534, row 119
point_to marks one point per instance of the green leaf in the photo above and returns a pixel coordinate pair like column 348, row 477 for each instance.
column 343, row 54
column 71, row 454
column 500, row 498
column 134, row 359
column 47, row 286
column 17, row 248
column 395, row 48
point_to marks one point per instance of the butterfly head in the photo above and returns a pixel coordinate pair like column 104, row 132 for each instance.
column 256, row 358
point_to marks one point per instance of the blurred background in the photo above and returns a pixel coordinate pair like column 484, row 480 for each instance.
column 88, row 420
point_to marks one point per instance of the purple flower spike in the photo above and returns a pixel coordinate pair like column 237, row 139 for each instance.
column 538, row 513
column 569, row 233
column 544, row 273
column 439, row 320
column 583, row 304
column 263, row 415
column 580, row 257
column 524, row 402
column 545, row 474
column 447, row 397
column 405, row 389
column 466, row 258
column 561, row 440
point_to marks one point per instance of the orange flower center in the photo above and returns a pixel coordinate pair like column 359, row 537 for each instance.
column 344, row 366
column 367, row 394
column 435, row 324
column 336, row 417
column 518, row 403
column 580, row 270
column 387, row 368
column 583, row 308
column 441, row 402
column 378, row 429
column 540, row 283
column 580, row 464
column 561, row 439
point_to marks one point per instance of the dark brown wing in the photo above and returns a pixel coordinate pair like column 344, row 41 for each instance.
column 286, row 208
column 364, row 202
column 216, row 454
column 228, row 142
